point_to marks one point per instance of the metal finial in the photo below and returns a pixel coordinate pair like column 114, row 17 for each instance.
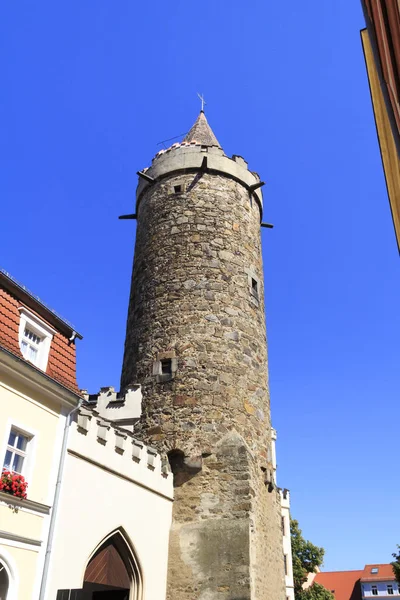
column 203, row 102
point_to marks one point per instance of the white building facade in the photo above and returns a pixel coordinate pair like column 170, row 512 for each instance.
column 378, row 581
column 286, row 539
column 114, row 516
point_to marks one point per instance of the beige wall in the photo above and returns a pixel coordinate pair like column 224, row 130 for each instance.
column 23, row 565
column 39, row 420
column 23, row 545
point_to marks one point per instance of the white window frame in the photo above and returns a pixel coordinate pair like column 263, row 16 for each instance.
column 14, row 450
column 373, row 588
column 390, row 585
column 29, row 320
column 27, row 467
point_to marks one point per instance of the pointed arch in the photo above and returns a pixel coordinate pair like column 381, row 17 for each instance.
column 114, row 565
column 9, row 578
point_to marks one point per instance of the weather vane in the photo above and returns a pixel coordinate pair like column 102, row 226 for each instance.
column 203, row 102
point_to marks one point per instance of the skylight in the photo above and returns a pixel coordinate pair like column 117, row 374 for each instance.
column 374, row 570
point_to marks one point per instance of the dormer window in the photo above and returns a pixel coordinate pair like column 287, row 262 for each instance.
column 34, row 338
column 30, row 345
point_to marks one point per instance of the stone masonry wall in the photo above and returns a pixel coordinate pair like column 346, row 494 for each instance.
column 196, row 342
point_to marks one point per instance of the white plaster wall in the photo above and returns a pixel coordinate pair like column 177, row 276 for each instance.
column 287, row 545
column 95, row 501
column 382, row 589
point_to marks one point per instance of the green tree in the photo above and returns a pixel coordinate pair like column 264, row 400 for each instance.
column 396, row 564
column 316, row 592
column 306, row 557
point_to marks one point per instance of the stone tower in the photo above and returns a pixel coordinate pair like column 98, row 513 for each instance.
column 196, row 342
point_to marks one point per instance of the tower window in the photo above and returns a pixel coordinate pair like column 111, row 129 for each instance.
column 166, row 366
column 254, row 287
column 254, row 283
column 177, row 189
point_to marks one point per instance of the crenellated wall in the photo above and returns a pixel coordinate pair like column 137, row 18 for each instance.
column 100, row 440
column 111, row 482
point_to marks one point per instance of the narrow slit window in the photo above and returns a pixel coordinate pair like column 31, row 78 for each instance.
column 254, row 287
column 166, row 367
column 177, row 189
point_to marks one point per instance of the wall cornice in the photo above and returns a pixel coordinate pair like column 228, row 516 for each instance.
column 36, row 380
column 24, row 503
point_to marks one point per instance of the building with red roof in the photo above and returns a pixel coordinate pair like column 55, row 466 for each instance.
column 61, row 449
column 379, row 580
column 344, row 585
column 375, row 580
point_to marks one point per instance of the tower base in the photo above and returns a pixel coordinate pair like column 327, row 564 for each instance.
column 226, row 537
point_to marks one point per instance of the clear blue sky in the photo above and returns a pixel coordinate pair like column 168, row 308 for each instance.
column 89, row 89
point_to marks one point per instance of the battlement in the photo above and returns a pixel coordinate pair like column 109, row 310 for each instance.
column 123, row 409
column 285, row 498
column 99, row 441
column 193, row 156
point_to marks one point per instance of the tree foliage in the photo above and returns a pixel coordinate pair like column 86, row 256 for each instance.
column 306, row 558
column 396, row 564
column 315, row 592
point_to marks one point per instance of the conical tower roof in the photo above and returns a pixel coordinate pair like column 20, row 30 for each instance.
column 202, row 133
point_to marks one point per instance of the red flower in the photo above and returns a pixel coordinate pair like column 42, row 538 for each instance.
column 13, row 483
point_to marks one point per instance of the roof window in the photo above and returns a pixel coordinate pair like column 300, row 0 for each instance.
column 34, row 338
column 374, row 570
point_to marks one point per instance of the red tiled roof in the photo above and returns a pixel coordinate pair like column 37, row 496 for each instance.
column 345, row 585
column 385, row 573
column 61, row 365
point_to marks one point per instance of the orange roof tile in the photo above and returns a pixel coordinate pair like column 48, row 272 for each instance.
column 385, row 573
column 61, row 365
column 345, row 585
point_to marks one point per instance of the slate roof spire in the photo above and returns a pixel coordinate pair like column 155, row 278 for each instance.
column 202, row 133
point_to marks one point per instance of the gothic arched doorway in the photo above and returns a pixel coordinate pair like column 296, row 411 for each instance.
column 112, row 572
column 4, row 582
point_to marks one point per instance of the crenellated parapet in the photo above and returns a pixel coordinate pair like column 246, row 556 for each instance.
column 285, row 498
column 190, row 157
column 100, row 441
column 122, row 408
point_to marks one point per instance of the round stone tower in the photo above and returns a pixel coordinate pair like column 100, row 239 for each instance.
column 196, row 342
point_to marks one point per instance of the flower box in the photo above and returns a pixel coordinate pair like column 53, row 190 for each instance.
column 13, row 483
